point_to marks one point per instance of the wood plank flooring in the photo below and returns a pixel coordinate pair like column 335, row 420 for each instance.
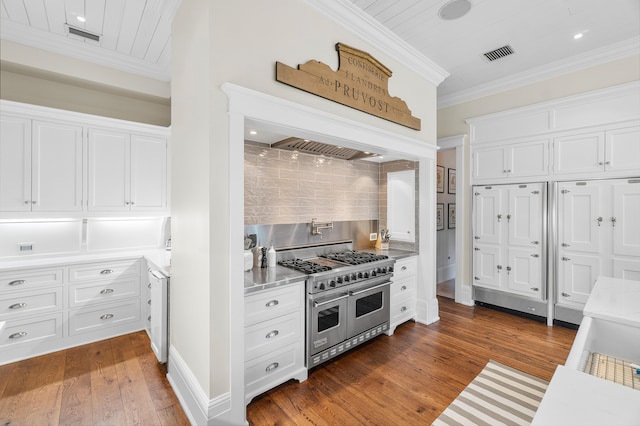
column 405, row 379
column 411, row 377
column 112, row 382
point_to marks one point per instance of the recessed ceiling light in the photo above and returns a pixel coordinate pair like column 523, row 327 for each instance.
column 578, row 36
column 81, row 18
column 454, row 9
column 253, row 132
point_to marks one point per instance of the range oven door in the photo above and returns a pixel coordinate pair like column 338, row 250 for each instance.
column 327, row 322
column 368, row 307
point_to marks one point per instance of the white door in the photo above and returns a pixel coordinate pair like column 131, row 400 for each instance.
column 489, row 163
column 148, row 173
column 15, row 164
column 56, row 166
column 579, row 219
column 625, row 217
column 524, row 272
column 578, row 274
column 528, row 159
column 525, row 215
column 108, row 170
column 488, row 269
column 488, row 215
column 579, row 153
column 622, row 149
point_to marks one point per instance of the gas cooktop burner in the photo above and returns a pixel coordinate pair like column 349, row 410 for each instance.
column 305, row 266
column 355, row 257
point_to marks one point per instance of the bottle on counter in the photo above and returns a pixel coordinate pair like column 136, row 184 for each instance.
column 257, row 256
column 263, row 257
column 271, row 257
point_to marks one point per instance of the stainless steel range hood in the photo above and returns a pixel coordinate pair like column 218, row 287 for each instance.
column 319, row 148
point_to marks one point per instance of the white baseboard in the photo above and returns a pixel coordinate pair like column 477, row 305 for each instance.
column 427, row 311
column 197, row 406
column 445, row 273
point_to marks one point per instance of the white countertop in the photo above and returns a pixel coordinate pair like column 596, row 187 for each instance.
column 577, row 398
column 615, row 300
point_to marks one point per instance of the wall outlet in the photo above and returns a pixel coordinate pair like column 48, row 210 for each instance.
column 373, row 236
column 25, row 247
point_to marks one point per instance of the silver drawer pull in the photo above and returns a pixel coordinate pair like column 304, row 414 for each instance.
column 106, row 291
column 404, row 268
column 271, row 303
column 403, row 288
column 149, row 318
column 106, row 316
column 18, row 305
column 272, row 334
column 106, row 271
column 149, row 285
column 404, row 308
column 149, row 302
column 17, row 282
column 18, row 335
column 271, row 367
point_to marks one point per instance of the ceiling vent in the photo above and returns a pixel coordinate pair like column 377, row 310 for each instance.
column 498, row 53
column 82, row 33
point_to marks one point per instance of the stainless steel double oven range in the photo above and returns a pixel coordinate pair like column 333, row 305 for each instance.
column 347, row 298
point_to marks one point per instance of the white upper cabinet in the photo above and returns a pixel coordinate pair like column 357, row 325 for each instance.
column 41, row 166
column 525, row 159
column 126, row 172
column 622, row 149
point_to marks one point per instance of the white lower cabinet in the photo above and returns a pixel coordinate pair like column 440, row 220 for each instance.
column 48, row 309
column 403, row 292
column 274, row 338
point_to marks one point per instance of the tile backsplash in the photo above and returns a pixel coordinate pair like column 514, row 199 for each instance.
column 291, row 187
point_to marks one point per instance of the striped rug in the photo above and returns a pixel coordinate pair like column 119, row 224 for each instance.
column 499, row 395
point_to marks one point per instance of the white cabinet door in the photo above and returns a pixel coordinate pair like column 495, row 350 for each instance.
column 579, row 153
column 528, row 159
column 108, row 169
column 15, row 164
column 524, row 272
column 56, row 166
column 489, row 163
column 578, row 276
column 525, row 211
column 487, row 266
column 488, row 214
column 148, row 173
column 581, row 222
column 622, row 149
column 625, row 219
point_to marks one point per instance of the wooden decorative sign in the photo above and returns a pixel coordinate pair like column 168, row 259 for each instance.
column 361, row 82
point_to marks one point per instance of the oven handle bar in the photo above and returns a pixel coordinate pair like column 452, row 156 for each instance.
column 355, row 293
column 316, row 304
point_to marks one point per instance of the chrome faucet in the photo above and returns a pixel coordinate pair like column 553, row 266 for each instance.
column 316, row 226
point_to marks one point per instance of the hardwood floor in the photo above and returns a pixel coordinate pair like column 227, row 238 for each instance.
column 112, row 382
column 407, row 378
column 411, row 377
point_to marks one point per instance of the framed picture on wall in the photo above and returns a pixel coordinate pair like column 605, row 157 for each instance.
column 440, row 178
column 451, row 178
column 439, row 216
column 451, row 217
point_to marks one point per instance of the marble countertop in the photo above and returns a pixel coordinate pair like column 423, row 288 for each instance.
column 615, row 300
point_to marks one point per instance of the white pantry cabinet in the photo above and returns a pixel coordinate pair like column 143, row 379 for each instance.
column 404, row 288
column 40, row 166
column 615, row 150
column 127, row 172
column 512, row 160
column 508, row 239
column 598, row 235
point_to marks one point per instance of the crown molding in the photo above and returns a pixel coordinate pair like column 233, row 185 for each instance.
column 602, row 55
column 63, row 45
column 373, row 32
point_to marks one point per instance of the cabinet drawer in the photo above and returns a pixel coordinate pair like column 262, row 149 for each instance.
column 26, row 280
column 402, row 310
column 105, row 270
column 273, row 368
column 402, row 287
column 31, row 330
column 87, row 294
column 87, row 320
column 271, row 335
column 20, row 304
column 405, row 268
column 269, row 304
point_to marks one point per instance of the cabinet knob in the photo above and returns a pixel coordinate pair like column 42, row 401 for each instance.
column 18, row 335
column 404, row 268
column 33, row 201
column 403, row 288
column 106, row 271
column 18, row 305
column 566, row 295
column 132, row 203
column 106, row 291
column 17, row 282
column 272, row 367
column 106, row 316
column 272, row 334
column 271, row 303
column 126, row 203
column 404, row 308
column 535, row 289
column 27, row 202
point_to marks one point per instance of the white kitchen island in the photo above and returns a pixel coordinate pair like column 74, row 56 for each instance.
column 611, row 326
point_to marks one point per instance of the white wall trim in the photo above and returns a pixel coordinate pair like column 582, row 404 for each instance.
column 445, row 273
column 197, row 406
column 589, row 59
column 373, row 32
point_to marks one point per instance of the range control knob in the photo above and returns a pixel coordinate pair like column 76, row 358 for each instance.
column 332, row 283
column 390, row 269
column 354, row 277
column 366, row 275
column 321, row 286
column 360, row 275
column 373, row 273
column 347, row 278
column 339, row 280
